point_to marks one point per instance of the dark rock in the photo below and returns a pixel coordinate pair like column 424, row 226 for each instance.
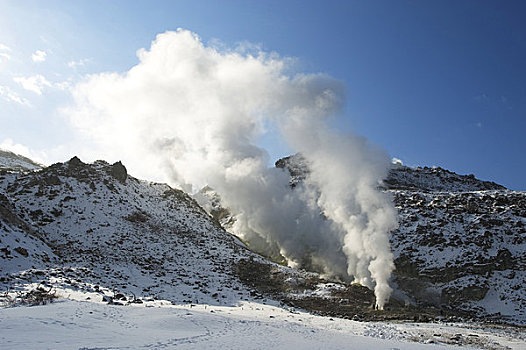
column 74, row 162
column 505, row 259
column 6, row 252
column 52, row 180
column 22, row 251
column 56, row 212
column 119, row 172
column 120, row 296
column 138, row 216
column 454, row 295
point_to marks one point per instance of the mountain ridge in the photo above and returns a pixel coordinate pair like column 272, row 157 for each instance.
column 93, row 227
column 402, row 177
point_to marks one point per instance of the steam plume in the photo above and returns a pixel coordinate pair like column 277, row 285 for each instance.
column 196, row 113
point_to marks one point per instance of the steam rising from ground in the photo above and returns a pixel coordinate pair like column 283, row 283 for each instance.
column 195, row 114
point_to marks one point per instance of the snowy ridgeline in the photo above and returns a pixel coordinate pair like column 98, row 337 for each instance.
column 10, row 160
column 435, row 179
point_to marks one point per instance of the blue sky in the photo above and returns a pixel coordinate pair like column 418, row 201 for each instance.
column 436, row 83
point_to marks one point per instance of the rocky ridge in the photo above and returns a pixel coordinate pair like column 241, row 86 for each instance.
column 93, row 227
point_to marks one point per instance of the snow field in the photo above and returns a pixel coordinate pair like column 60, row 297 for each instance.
column 77, row 323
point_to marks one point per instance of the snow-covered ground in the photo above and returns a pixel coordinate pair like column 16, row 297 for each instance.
column 77, row 323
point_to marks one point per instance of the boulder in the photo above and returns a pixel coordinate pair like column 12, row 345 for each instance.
column 119, row 172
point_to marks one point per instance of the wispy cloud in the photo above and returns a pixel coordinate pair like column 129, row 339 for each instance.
column 63, row 85
column 39, row 56
column 79, row 63
column 506, row 102
column 9, row 95
column 481, row 97
column 497, row 103
column 4, row 55
column 35, row 83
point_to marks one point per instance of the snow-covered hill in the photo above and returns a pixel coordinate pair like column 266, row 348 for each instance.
column 461, row 243
column 13, row 161
column 463, row 250
column 94, row 227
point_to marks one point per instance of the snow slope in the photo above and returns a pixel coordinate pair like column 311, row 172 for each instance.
column 78, row 324
column 461, row 242
column 93, row 226
column 463, row 250
column 10, row 160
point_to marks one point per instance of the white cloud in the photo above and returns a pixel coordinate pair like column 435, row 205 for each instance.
column 11, row 96
column 10, row 145
column 63, row 85
column 39, row 56
column 80, row 63
column 35, row 83
column 4, row 56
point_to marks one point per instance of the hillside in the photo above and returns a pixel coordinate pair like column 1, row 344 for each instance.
column 92, row 227
column 461, row 243
column 13, row 161
column 140, row 264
